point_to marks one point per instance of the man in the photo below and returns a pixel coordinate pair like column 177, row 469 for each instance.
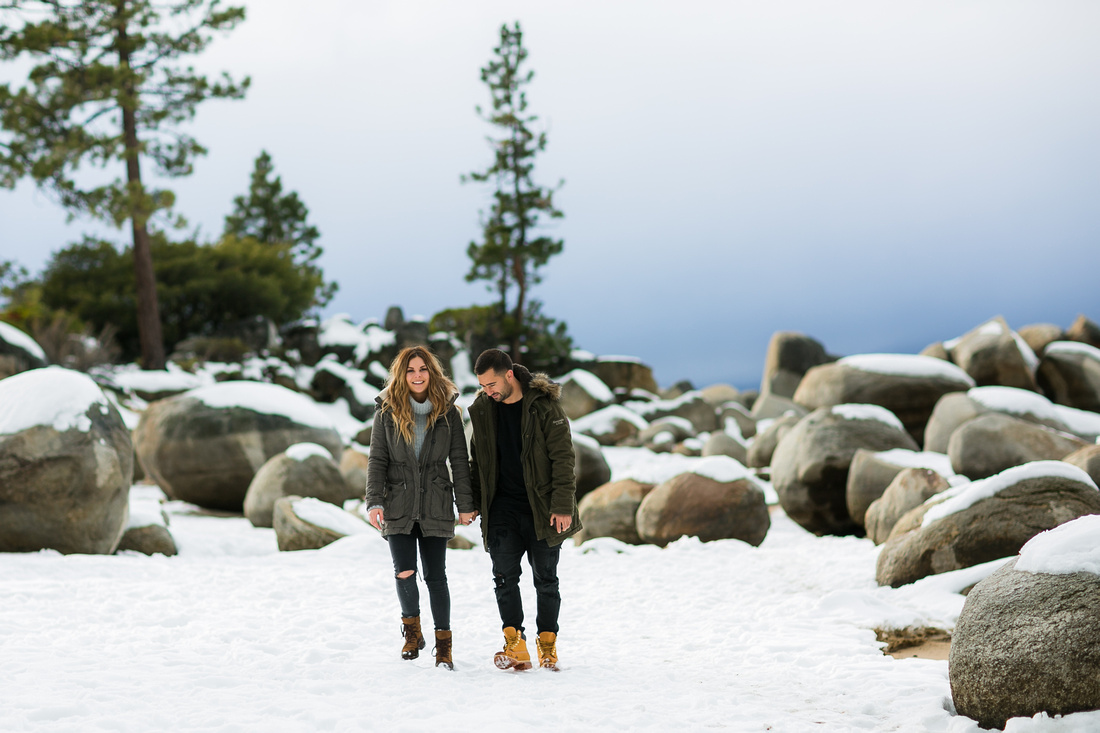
column 521, row 467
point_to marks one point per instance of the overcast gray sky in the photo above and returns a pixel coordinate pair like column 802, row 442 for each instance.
column 879, row 175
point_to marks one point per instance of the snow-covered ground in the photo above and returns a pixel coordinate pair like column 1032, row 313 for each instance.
column 232, row 635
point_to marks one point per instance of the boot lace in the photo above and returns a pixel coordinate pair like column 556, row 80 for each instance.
column 546, row 650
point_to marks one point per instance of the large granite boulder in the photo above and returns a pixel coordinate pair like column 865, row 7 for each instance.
column 353, row 467
column 691, row 406
column 735, row 413
column 872, row 471
column 589, row 466
column 990, row 443
column 625, row 373
column 205, row 446
column 994, row 354
column 310, row 524
column 810, row 465
column 1084, row 331
column 1088, row 460
column 790, row 355
column 958, row 408
column 583, row 392
column 612, row 425
column 1069, row 374
column 699, row 506
column 1038, row 336
column 773, row 407
column 611, row 511
column 908, row 386
column 720, row 394
column 724, row 444
column 66, row 464
column 18, row 351
column 763, row 445
column 333, row 381
column 304, row 469
column 908, row 490
column 984, row 520
column 1028, row 638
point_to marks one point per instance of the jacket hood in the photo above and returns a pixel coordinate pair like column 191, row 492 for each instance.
column 540, row 382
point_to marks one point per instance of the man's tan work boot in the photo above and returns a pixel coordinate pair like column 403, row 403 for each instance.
column 414, row 640
column 548, row 653
column 514, row 654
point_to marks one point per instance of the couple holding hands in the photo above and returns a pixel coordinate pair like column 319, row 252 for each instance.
column 518, row 477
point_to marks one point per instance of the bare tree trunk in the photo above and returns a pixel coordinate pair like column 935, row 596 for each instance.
column 148, row 310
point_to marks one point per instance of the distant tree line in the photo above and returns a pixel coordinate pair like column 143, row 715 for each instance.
column 109, row 89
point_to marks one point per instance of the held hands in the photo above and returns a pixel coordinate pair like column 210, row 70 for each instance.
column 560, row 522
column 374, row 516
column 465, row 518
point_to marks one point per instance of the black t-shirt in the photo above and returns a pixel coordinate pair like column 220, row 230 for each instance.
column 511, row 490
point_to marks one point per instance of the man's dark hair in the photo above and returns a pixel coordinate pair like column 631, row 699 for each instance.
column 493, row 359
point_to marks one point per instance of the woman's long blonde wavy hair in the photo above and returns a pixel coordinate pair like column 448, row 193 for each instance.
column 440, row 390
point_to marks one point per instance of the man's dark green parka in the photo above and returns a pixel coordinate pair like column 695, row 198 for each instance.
column 547, row 455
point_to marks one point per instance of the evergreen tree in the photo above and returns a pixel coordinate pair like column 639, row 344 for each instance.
column 510, row 254
column 109, row 88
column 204, row 287
column 268, row 215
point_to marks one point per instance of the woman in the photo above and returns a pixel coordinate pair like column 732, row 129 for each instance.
column 410, row 495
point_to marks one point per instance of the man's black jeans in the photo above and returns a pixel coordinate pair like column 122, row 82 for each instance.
column 511, row 535
column 433, row 556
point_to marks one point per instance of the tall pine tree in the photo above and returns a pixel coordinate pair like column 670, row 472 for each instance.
column 270, row 216
column 110, row 87
column 511, row 253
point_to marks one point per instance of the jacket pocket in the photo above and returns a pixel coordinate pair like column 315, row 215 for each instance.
column 397, row 501
column 442, row 500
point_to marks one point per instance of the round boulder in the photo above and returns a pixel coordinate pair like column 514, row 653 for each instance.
column 763, row 445
column 1070, row 374
column 624, row 373
column 984, row 520
column 699, row 506
column 66, row 464
column 1038, row 336
column 310, row 524
column 353, row 467
column 306, row 470
column 583, row 392
column 790, row 355
column 18, row 351
column 723, row 444
column 152, row 539
column 959, row 407
column 810, row 464
column 908, row 386
column 205, row 446
column 611, row 510
column 589, row 466
column 1088, row 460
column 993, row 354
column 1028, row 638
column 611, row 426
column 993, row 442
column 872, row 471
column 907, row 491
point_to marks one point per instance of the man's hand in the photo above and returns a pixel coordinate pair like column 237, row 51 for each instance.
column 467, row 517
column 560, row 522
column 374, row 516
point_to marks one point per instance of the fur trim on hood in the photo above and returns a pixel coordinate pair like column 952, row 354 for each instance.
column 541, row 382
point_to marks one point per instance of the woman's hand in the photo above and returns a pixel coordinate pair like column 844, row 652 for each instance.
column 374, row 516
column 466, row 517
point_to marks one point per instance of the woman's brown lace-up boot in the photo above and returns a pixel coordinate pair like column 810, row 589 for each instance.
column 414, row 640
column 443, row 649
